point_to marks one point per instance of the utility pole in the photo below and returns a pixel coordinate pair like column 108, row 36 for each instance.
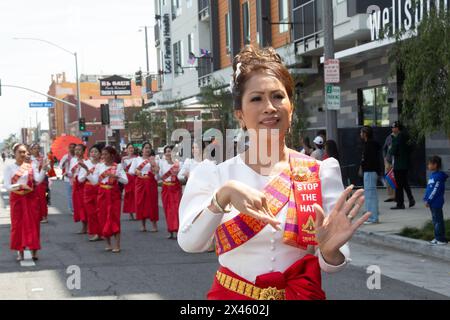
column 328, row 30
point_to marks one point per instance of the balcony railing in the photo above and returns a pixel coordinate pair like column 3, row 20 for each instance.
column 307, row 19
column 204, row 68
column 203, row 10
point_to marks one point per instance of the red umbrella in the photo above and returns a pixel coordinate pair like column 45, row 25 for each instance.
column 61, row 144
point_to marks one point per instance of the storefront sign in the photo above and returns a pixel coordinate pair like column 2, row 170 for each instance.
column 400, row 16
column 332, row 71
column 116, row 114
column 115, row 86
column 332, row 97
column 167, row 45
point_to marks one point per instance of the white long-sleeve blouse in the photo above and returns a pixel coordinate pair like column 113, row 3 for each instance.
column 265, row 252
column 101, row 167
column 11, row 170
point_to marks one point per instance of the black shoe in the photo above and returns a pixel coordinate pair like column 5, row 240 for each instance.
column 398, row 208
column 412, row 203
column 389, row 200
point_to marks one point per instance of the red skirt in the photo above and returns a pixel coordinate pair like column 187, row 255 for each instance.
column 301, row 281
column 129, row 196
column 146, row 195
column 25, row 222
column 41, row 193
column 171, row 197
column 79, row 211
column 90, row 204
column 108, row 203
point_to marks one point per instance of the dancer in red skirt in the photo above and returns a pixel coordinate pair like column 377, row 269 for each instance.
column 171, row 190
column 129, row 196
column 108, row 175
column 79, row 210
column 41, row 188
column 145, row 169
column 20, row 179
column 91, row 192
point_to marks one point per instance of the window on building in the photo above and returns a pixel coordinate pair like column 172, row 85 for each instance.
column 258, row 21
column 191, row 47
column 188, row 4
column 246, row 22
column 176, row 9
column 374, row 106
column 178, row 58
column 283, row 7
column 228, row 33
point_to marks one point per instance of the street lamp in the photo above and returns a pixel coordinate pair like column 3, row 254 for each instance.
column 76, row 67
column 146, row 46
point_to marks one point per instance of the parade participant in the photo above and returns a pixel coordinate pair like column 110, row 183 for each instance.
column 64, row 165
column 41, row 188
column 79, row 210
column 91, row 192
column 171, row 190
column 107, row 175
column 145, row 169
column 267, row 219
column 20, row 179
column 191, row 163
column 51, row 160
column 129, row 206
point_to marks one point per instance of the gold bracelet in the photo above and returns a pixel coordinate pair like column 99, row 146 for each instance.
column 227, row 209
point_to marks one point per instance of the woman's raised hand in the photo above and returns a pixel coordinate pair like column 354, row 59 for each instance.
column 337, row 228
column 248, row 201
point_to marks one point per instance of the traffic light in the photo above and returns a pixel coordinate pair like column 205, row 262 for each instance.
column 82, row 124
column 104, row 108
column 138, row 78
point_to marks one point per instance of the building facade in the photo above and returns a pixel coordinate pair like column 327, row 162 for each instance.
column 371, row 86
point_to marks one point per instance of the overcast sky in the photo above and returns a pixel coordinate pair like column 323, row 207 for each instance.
column 104, row 33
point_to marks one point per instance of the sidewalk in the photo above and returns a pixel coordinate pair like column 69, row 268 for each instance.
column 393, row 221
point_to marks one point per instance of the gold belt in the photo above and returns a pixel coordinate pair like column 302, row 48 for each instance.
column 169, row 183
column 22, row 192
column 106, row 186
column 249, row 290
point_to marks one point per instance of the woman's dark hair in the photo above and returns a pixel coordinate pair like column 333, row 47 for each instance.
column 307, row 142
column 96, row 146
column 253, row 60
column 112, row 151
column 152, row 152
column 368, row 131
column 18, row 145
column 437, row 161
column 168, row 147
column 331, row 149
column 129, row 144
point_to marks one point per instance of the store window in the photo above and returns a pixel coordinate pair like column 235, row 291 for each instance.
column 246, row 23
column 374, row 106
column 228, row 33
column 283, row 9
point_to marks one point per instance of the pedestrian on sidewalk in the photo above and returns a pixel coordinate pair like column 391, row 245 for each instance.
column 21, row 178
column 401, row 153
column 370, row 167
column 434, row 199
column 319, row 152
column 331, row 150
column 388, row 166
column 306, row 147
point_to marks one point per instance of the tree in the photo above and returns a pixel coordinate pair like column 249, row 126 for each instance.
column 9, row 142
column 424, row 61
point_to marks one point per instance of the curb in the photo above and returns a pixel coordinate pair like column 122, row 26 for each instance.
column 402, row 243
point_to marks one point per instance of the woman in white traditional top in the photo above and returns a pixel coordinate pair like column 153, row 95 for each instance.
column 79, row 210
column 108, row 175
column 145, row 169
column 191, row 163
column 171, row 190
column 91, row 191
column 41, row 188
column 129, row 205
column 267, row 217
column 20, row 179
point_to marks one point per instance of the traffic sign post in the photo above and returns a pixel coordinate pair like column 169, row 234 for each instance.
column 332, row 71
column 87, row 133
column 332, row 97
column 47, row 104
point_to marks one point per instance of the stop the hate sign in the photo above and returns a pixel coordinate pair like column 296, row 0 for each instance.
column 332, row 71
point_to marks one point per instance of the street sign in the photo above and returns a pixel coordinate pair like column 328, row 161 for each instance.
column 332, row 71
column 116, row 114
column 48, row 104
column 115, row 86
column 332, row 97
column 87, row 133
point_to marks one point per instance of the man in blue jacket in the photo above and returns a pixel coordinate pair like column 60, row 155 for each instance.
column 434, row 199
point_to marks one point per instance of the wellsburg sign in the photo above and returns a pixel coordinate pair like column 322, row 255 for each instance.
column 403, row 15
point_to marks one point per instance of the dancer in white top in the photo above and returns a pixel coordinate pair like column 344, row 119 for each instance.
column 191, row 163
column 145, row 171
column 20, row 180
column 64, row 165
column 79, row 210
column 272, row 235
column 129, row 205
column 41, row 188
